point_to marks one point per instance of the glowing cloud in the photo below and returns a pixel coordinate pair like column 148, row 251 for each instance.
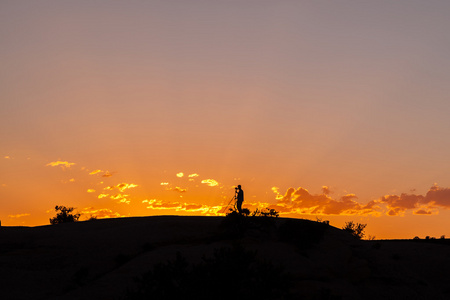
column 102, row 196
column 193, row 175
column 60, row 163
column 303, row 202
column 180, row 174
column 178, row 206
column 180, row 190
column 436, row 197
column 121, row 186
column 7, row 157
column 103, row 213
column 18, row 216
column 91, row 191
column 106, row 173
column 210, row 182
column 164, row 183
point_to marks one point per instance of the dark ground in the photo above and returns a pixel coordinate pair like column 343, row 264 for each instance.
column 100, row 259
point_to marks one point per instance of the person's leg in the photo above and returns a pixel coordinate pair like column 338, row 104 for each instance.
column 239, row 206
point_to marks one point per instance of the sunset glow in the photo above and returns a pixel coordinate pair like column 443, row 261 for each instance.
column 334, row 110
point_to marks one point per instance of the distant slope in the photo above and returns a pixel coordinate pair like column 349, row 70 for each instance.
column 99, row 259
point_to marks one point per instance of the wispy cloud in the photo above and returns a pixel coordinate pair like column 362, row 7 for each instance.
column 102, row 196
column 91, row 191
column 105, row 173
column 121, row 186
column 180, row 174
column 179, row 206
column 193, row 175
column 210, row 182
column 64, row 164
column 18, row 216
column 180, row 190
column 102, row 213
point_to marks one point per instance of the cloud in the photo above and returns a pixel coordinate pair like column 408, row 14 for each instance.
column 122, row 198
column 118, row 196
column 105, row 173
column 326, row 190
column 210, row 182
column 422, row 212
column 301, row 201
column 180, row 190
column 102, row 213
column 91, row 191
column 193, row 175
column 7, row 157
column 178, row 206
column 121, row 186
column 435, row 198
column 180, row 174
column 102, row 196
column 60, row 163
column 18, row 216
column 164, row 183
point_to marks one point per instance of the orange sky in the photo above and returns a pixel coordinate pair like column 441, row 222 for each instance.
column 335, row 110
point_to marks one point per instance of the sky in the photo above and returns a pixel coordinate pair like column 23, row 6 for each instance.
column 332, row 110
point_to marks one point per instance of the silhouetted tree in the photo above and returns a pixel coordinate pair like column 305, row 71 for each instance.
column 64, row 215
column 356, row 229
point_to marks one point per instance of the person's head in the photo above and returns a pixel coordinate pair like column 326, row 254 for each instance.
column 239, row 187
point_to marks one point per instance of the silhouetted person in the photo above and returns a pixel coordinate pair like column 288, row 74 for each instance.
column 239, row 198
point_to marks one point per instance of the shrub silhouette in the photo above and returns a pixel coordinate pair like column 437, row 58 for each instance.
column 231, row 273
column 356, row 229
column 236, row 224
column 64, row 215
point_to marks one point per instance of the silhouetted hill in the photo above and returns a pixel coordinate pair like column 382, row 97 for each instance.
column 100, row 259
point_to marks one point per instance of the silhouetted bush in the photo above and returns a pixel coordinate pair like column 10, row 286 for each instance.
column 231, row 273
column 302, row 233
column 266, row 212
column 356, row 229
column 64, row 215
column 236, row 224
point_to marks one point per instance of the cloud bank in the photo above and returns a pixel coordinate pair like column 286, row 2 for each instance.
column 301, row 201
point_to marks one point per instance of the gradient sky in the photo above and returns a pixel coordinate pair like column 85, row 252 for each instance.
column 330, row 109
